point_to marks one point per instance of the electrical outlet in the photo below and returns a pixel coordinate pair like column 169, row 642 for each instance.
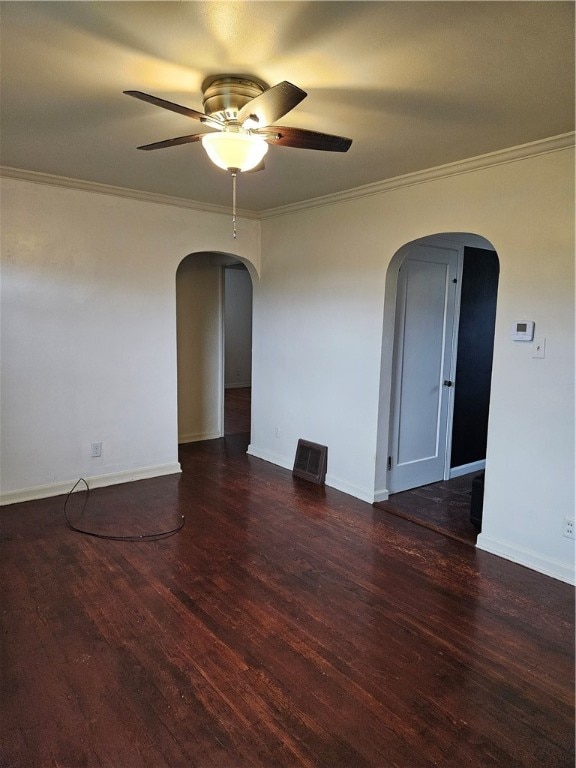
column 568, row 528
column 96, row 450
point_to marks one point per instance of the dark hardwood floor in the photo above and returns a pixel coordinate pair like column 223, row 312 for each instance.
column 286, row 625
column 443, row 507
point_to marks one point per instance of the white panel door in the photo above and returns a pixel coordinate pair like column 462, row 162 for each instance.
column 423, row 346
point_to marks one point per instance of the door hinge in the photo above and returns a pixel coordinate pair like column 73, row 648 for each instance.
column 389, row 463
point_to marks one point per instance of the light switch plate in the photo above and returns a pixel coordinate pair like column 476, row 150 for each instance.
column 539, row 348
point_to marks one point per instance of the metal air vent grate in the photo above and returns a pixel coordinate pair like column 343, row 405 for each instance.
column 310, row 462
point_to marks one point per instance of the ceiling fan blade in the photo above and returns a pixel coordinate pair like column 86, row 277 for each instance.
column 271, row 105
column 173, row 142
column 186, row 111
column 304, row 139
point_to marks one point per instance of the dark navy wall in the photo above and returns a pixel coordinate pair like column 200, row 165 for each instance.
column 474, row 362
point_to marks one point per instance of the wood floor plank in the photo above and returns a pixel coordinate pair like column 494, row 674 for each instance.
column 286, row 625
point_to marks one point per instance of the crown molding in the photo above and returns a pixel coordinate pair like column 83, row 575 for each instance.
column 65, row 182
column 480, row 162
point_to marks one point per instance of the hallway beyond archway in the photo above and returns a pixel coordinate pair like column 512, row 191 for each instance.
column 451, row 300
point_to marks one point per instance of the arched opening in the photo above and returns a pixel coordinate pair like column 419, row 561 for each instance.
column 438, row 339
column 214, row 346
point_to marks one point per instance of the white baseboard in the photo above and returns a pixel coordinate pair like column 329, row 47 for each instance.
column 96, row 481
column 196, row 437
column 331, row 480
column 272, row 458
column 549, row 567
column 236, row 385
column 364, row 494
column 381, row 495
column 466, row 469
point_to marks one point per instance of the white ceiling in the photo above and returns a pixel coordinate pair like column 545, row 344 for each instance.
column 414, row 84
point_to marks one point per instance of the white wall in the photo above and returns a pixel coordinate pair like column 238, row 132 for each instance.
column 238, row 327
column 319, row 309
column 89, row 332
column 199, row 348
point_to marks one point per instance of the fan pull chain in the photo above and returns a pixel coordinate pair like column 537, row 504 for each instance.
column 234, row 204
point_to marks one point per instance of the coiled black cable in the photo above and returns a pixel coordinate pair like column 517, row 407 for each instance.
column 135, row 537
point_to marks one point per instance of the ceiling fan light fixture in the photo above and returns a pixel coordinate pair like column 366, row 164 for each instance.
column 234, row 151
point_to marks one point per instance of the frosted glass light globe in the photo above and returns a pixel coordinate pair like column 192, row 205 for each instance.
column 229, row 150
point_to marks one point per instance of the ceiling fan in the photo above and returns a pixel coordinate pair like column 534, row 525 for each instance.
column 242, row 110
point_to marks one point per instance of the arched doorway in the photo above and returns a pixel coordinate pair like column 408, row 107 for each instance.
column 205, row 298
column 437, row 360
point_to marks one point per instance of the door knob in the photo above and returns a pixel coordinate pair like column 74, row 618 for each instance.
column 448, row 383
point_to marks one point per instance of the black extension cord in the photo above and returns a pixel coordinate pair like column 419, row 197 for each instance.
column 139, row 537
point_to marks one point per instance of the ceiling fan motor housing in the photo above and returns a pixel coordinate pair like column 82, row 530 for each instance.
column 225, row 95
